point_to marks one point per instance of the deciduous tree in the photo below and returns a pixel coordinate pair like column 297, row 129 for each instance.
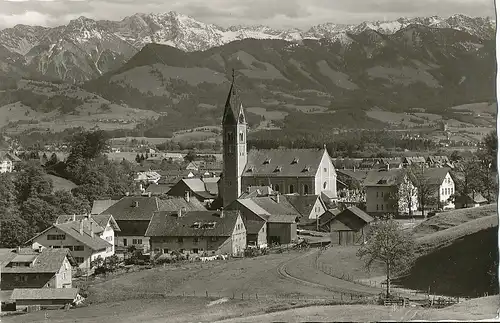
column 389, row 244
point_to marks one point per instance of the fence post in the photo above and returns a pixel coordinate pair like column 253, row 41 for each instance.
column 183, row 293
column 241, row 295
column 256, row 297
column 341, row 296
column 233, row 294
column 351, row 297
column 194, row 293
column 206, row 292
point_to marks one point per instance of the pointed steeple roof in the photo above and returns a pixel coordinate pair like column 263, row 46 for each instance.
column 233, row 111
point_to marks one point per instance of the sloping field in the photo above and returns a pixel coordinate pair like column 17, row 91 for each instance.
column 465, row 266
column 480, row 309
column 453, row 218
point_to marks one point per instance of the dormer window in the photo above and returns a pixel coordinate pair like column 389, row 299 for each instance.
column 209, row 225
column 277, row 169
column 295, row 160
column 250, row 169
column 196, row 225
column 306, row 169
column 267, row 161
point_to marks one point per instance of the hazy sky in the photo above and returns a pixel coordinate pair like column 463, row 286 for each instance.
column 275, row 13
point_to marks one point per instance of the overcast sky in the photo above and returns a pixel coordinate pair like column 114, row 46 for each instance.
column 275, row 13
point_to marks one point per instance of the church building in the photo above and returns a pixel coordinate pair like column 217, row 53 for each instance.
column 287, row 171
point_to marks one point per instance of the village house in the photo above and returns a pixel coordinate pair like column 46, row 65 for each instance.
column 54, row 297
column 470, row 200
column 98, row 206
column 413, row 161
column 349, row 227
column 256, row 234
column 276, row 212
column 323, row 222
column 383, row 188
column 310, row 207
column 147, row 177
column 133, row 213
column 443, row 186
column 438, row 161
column 197, row 233
column 41, row 268
column 8, row 161
column 81, row 237
column 204, row 189
column 303, row 171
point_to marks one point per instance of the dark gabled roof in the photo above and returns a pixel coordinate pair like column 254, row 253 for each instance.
column 283, row 162
column 159, row 188
column 359, row 213
column 268, row 209
column 168, row 224
column 47, row 261
column 256, row 191
column 303, row 203
column 474, row 197
column 44, row 293
column 415, row 159
column 359, row 175
column 254, row 227
column 383, row 177
column 435, row 176
column 126, row 209
column 328, row 216
column 175, row 203
column 73, row 229
column 98, row 206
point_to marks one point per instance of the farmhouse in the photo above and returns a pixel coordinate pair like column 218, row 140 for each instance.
column 24, row 297
column 303, row 171
column 133, row 213
column 349, row 227
column 280, row 216
column 256, row 233
column 197, row 232
column 442, row 184
column 7, row 162
column 470, row 200
column 204, row 189
column 382, row 192
column 42, row 268
column 79, row 236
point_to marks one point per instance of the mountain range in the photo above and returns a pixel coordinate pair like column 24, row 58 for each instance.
column 85, row 48
column 404, row 73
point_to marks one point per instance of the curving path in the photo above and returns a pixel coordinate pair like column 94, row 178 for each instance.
column 302, row 269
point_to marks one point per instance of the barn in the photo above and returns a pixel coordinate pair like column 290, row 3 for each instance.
column 44, row 296
column 349, row 227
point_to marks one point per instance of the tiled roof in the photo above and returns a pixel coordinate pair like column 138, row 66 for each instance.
column 358, row 175
column 283, row 162
column 133, row 208
column 435, row 176
column 254, row 227
column 383, row 177
column 47, row 261
column 168, row 224
column 73, row 229
column 98, row 206
column 303, row 203
column 255, row 191
column 268, row 209
column 44, row 293
column 96, row 227
column 175, row 203
column 159, row 188
column 359, row 213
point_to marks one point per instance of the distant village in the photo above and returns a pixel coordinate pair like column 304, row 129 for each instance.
column 203, row 208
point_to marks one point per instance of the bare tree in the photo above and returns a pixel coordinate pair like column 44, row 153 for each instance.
column 390, row 244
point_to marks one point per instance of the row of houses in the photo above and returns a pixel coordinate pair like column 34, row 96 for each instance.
column 392, row 163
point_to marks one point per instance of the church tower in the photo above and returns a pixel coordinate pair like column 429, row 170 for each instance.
column 234, row 142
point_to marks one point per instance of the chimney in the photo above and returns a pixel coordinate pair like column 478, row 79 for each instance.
column 18, row 249
column 186, row 196
column 353, row 168
column 221, row 213
column 136, row 204
column 278, row 197
column 181, row 212
column 248, row 189
column 387, row 166
column 127, row 193
column 81, row 227
column 74, row 217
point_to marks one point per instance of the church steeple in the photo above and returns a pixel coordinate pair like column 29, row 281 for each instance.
column 234, row 141
column 233, row 110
